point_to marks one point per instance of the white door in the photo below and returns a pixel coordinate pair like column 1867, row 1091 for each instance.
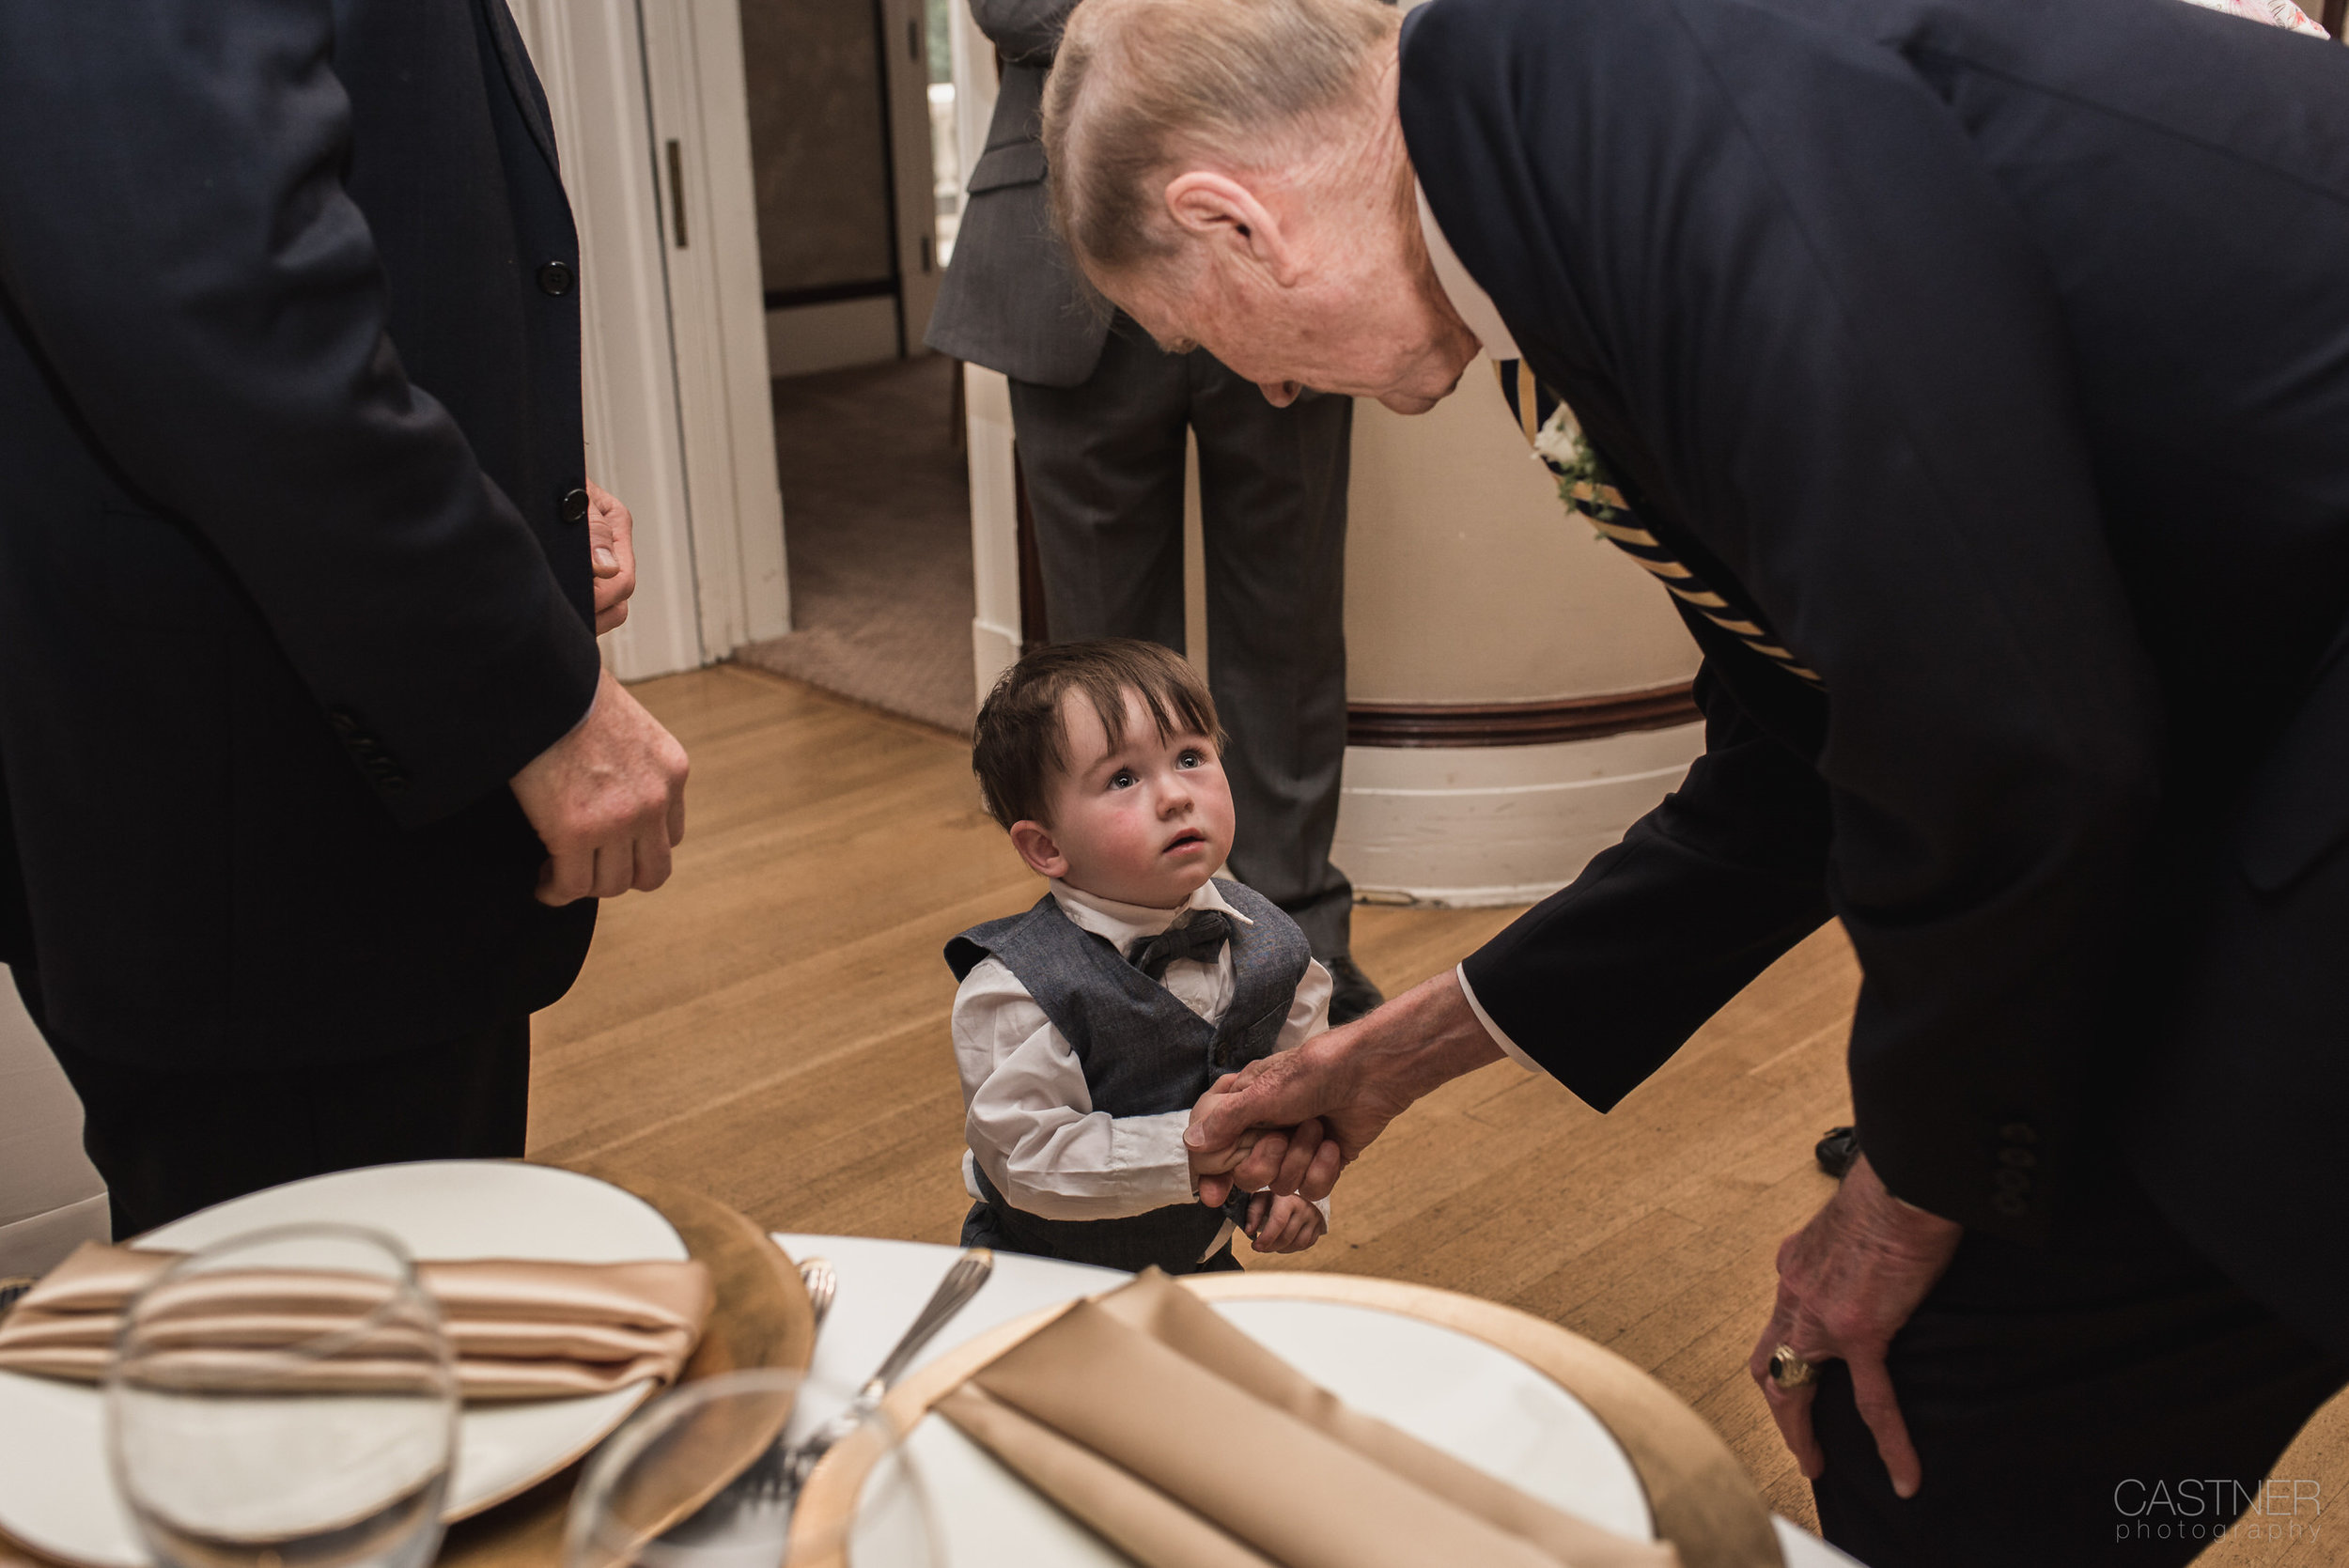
column 649, row 111
column 906, row 82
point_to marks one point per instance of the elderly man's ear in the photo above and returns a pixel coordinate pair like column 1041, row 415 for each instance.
column 1226, row 214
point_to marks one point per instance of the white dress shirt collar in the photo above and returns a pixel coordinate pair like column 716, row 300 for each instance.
column 1474, row 305
column 1123, row 924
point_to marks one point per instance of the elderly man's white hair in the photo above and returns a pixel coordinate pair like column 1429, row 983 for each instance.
column 1141, row 87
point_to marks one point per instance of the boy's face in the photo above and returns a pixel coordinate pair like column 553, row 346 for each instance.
column 1144, row 822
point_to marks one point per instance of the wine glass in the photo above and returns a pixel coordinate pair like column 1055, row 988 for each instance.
column 285, row 1399
column 702, row 1478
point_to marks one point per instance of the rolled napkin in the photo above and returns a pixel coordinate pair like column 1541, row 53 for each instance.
column 519, row 1330
column 1134, row 1413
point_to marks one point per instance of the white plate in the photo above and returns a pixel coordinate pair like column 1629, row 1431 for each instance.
column 55, row 1494
column 1470, row 1399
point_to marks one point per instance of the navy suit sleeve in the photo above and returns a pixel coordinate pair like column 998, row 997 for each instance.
column 1600, row 983
column 177, row 240
column 1843, row 365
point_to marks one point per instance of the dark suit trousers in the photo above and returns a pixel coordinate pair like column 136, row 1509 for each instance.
column 2109, row 1399
column 170, row 1143
column 1103, row 464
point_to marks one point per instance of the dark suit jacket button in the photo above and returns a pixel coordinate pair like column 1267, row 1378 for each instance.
column 2019, row 1132
column 2022, row 1159
column 555, row 279
column 2011, row 1205
column 575, row 506
column 2010, row 1180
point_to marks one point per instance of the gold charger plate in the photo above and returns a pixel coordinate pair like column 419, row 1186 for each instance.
column 1701, row 1499
column 760, row 1318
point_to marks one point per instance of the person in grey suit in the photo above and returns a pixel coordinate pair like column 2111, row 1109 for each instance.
column 1100, row 414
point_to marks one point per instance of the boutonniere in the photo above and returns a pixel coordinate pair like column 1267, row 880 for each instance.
column 1583, row 483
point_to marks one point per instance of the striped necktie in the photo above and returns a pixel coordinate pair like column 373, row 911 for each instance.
column 1585, row 487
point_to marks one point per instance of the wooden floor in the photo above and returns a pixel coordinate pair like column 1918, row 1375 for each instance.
column 772, row 1027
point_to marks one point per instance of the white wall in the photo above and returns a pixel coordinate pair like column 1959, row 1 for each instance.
column 51, row 1197
column 994, row 525
column 1467, row 580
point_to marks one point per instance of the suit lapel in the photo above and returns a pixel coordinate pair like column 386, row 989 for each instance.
column 520, row 78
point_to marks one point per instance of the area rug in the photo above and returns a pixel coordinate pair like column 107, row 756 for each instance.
column 877, row 520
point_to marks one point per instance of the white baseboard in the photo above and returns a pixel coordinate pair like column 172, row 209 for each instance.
column 1474, row 827
column 803, row 339
column 993, row 650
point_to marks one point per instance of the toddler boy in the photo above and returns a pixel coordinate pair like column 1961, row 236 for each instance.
column 1087, row 1027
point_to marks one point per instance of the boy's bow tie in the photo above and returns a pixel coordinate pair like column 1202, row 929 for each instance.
column 1198, row 938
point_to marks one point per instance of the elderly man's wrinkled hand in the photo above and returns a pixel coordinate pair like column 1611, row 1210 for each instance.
column 1214, row 1168
column 1315, row 1108
column 1211, row 1169
column 607, row 800
column 1238, row 1131
column 611, row 554
column 1846, row 1283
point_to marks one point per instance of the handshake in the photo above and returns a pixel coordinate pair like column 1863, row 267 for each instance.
column 1246, row 1136
column 1286, row 1126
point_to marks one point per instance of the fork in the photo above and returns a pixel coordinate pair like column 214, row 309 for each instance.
column 823, row 1282
column 784, row 1470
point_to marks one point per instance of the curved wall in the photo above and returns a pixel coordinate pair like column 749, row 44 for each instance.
column 1470, row 589
column 1467, row 580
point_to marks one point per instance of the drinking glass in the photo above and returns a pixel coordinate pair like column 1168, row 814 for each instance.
column 285, row 1399
column 702, row 1478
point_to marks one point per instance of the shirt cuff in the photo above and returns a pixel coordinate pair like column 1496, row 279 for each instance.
column 1501, row 1038
column 1150, row 1159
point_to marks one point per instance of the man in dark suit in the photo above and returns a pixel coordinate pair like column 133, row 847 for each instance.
column 310, row 767
column 1975, row 373
column 1100, row 414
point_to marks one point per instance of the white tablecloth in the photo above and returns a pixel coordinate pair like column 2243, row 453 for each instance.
column 884, row 1283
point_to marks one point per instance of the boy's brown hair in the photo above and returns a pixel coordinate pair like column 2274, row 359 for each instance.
column 1016, row 744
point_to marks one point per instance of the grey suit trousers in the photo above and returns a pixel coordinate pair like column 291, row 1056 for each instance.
column 1103, row 463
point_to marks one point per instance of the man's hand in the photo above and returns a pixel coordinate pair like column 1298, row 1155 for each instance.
column 1282, row 1224
column 1335, row 1093
column 1846, row 1283
column 1217, row 1164
column 608, row 801
column 611, row 551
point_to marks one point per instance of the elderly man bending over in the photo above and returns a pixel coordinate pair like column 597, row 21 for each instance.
column 1912, row 349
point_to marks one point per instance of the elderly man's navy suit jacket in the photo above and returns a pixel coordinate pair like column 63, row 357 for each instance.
column 1994, row 354
column 290, row 408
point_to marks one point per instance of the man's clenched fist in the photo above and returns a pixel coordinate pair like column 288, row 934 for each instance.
column 608, row 801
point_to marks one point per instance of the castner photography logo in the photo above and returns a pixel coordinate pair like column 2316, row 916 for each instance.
column 2218, row 1508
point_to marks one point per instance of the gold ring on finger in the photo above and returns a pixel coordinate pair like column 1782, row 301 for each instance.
column 1789, row 1371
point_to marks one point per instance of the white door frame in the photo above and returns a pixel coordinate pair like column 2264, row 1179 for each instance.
column 674, row 351
column 912, row 170
column 987, row 404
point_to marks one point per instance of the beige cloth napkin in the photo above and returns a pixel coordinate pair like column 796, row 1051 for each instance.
column 1186, row 1444
column 519, row 1329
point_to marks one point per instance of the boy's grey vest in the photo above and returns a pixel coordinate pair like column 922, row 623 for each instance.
column 1144, row 1053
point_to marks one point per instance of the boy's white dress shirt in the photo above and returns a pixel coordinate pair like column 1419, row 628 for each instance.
column 1029, row 1120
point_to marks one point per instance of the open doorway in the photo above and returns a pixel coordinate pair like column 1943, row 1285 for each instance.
column 857, row 168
